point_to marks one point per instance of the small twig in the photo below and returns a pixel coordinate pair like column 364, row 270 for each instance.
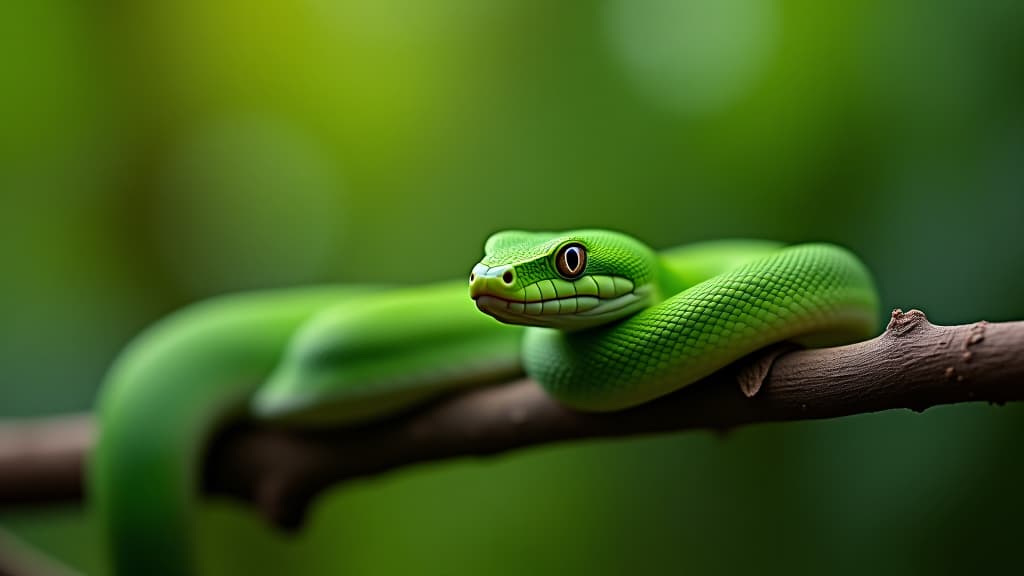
column 913, row 364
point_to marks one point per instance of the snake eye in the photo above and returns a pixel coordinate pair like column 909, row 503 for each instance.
column 571, row 261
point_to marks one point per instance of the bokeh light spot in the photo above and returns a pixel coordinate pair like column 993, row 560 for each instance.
column 693, row 56
column 246, row 203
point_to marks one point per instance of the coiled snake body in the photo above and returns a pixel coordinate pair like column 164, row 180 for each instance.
column 610, row 324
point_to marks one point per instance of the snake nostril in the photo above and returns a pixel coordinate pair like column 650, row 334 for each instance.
column 507, row 277
column 472, row 277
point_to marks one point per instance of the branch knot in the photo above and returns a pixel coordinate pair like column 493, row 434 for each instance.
column 902, row 323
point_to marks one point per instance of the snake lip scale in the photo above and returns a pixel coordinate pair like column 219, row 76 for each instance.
column 583, row 309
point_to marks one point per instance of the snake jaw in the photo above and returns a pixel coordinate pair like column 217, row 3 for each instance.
column 569, row 313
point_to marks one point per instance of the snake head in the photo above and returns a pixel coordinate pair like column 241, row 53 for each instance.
column 567, row 280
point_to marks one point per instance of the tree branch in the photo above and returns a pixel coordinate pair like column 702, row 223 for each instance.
column 913, row 364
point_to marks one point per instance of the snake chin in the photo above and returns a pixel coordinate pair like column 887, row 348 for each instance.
column 570, row 314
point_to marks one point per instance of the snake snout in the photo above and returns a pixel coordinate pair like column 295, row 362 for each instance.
column 496, row 281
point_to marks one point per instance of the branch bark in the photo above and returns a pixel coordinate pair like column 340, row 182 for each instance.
column 913, row 364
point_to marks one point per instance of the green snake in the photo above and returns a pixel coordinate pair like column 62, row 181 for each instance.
column 603, row 323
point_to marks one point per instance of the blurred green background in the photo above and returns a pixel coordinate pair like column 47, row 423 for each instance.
column 153, row 154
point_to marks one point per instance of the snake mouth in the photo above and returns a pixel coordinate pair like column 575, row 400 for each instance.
column 548, row 307
column 571, row 312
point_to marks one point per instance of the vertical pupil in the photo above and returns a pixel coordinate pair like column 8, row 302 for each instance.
column 572, row 259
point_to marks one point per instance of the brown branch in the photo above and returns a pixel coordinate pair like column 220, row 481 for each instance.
column 913, row 364
column 42, row 460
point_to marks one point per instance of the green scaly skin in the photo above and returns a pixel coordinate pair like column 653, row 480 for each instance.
column 665, row 321
column 633, row 326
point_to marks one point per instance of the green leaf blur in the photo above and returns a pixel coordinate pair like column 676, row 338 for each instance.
column 153, row 154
